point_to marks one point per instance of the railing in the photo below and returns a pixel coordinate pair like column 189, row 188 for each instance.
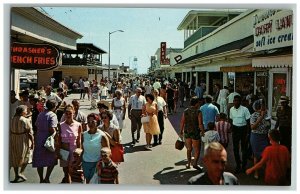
column 80, row 61
column 202, row 31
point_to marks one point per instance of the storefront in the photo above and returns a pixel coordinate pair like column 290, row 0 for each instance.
column 240, row 78
column 39, row 49
column 279, row 78
column 273, row 55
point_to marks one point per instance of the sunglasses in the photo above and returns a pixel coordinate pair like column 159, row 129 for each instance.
column 93, row 121
column 68, row 113
column 104, row 117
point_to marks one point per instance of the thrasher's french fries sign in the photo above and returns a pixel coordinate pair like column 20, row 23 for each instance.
column 34, row 56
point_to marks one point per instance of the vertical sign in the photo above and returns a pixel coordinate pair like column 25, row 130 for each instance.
column 163, row 47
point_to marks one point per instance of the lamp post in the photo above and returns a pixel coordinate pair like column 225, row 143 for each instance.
column 109, row 50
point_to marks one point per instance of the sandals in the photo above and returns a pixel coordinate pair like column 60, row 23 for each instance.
column 20, row 177
column 188, row 166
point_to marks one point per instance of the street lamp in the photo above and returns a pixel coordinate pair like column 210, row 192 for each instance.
column 109, row 50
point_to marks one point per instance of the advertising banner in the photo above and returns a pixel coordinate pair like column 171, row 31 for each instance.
column 273, row 29
column 34, row 56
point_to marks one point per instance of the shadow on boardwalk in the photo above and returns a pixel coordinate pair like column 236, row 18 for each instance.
column 175, row 177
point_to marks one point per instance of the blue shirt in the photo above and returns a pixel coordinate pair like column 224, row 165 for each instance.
column 209, row 113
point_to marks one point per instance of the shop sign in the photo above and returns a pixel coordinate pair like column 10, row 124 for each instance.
column 163, row 51
column 262, row 74
column 34, row 56
column 273, row 29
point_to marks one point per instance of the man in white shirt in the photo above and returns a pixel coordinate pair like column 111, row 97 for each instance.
column 156, row 85
column 148, row 88
column 240, row 122
column 52, row 96
column 222, row 99
column 162, row 114
column 136, row 103
column 86, row 84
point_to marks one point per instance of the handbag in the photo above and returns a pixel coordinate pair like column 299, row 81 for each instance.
column 145, row 119
column 49, row 143
column 117, row 153
column 179, row 144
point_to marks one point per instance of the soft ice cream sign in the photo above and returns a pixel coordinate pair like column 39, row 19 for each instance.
column 273, row 29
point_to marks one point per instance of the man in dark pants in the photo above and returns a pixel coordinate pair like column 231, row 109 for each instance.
column 162, row 114
column 284, row 122
column 240, row 122
column 136, row 103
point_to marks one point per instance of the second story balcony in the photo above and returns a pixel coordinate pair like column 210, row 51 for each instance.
column 85, row 55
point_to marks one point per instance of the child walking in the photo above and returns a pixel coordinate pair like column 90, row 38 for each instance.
column 211, row 135
column 76, row 171
column 277, row 160
column 224, row 128
column 107, row 169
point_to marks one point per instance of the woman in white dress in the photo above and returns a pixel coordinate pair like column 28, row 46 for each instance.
column 119, row 107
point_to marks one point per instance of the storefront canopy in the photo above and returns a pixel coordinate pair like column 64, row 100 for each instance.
column 244, row 68
column 273, row 62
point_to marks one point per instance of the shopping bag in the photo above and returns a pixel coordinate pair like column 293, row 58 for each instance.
column 117, row 153
column 95, row 178
column 179, row 144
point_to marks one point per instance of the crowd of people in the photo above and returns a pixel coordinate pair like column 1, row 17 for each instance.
column 92, row 143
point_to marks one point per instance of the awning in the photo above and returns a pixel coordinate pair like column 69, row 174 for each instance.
column 273, row 62
column 244, row 68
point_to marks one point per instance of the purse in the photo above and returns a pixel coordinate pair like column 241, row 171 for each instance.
column 179, row 144
column 145, row 119
column 49, row 143
column 117, row 153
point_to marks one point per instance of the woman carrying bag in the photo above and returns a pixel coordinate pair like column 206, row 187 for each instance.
column 151, row 127
column 190, row 126
column 113, row 134
column 46, row 124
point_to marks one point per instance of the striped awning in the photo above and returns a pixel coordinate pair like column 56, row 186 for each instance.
column 273, row 62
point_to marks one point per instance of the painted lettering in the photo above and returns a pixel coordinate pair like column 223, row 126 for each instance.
column 285, row 22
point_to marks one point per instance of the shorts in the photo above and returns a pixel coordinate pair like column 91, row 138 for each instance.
column 195, row 135
column 88, row 169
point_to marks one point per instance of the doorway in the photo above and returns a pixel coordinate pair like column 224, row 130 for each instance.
column 58, row 77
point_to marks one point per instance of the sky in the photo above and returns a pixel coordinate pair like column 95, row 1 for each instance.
column 144, row 29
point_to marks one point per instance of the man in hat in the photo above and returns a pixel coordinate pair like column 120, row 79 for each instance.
column 284, row 122
column 136, row 103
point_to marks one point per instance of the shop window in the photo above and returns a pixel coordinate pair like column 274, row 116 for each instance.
column 279, row 89
column 262, row 80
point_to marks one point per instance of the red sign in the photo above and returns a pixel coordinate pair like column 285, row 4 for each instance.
column 163, row 47
column 34, row 56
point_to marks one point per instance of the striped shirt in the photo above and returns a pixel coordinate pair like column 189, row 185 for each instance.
column 107, row 172
column 223, row 128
